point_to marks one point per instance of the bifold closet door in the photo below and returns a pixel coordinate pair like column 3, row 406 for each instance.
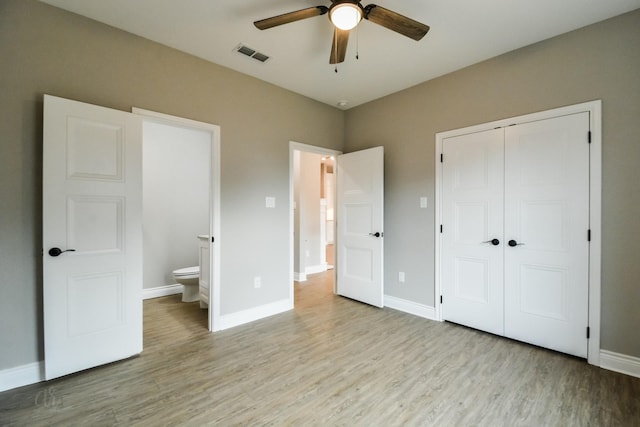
column 546, row 221
column 472, row 242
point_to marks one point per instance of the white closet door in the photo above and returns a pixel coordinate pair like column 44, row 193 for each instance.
column 547, row 219
column 472, row 206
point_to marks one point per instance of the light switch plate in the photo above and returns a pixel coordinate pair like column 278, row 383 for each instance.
column 270, row 202
column 423, row 202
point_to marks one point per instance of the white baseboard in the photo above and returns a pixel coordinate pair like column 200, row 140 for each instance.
column 161, row 291
column 21, row 376
column 313, row 269
column 410, row 307
column 245, row 316
column 620, row 363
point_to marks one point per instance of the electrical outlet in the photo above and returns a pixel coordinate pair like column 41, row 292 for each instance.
column 401, row 276
column 257, row 282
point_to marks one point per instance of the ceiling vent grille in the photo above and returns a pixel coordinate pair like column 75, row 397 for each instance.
column 251, row 53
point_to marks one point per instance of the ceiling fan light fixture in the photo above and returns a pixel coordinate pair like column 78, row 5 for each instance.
column 346, row 15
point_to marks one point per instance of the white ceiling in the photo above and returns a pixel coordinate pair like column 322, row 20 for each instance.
column 463, row 32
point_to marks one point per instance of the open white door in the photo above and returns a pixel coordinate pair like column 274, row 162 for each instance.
column 92, row 206
column 360, row 208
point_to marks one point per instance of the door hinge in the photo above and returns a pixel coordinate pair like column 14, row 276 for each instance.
column 441, row 228
column 212, row 240
column 441, row 157
column 589, row 137
column 588, row 332
column 589, row 235
column 440, row 299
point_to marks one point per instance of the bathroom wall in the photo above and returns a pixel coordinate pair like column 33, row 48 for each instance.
column 296, row 215
column 310, row 210
column 176, row 176
column 307, row 239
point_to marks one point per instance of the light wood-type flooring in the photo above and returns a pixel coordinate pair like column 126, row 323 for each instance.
column 329, row 362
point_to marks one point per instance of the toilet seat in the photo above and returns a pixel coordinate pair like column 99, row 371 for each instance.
column 187, row 271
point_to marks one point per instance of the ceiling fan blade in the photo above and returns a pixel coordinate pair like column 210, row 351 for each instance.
column 395, row 22
column 286, row 18
column 339, row 46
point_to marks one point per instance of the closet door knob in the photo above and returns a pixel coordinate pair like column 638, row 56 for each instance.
column 494, row 242
column 513, row 243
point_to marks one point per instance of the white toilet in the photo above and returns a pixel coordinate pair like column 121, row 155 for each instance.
column 189, row 278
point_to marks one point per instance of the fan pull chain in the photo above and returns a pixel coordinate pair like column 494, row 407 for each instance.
column 357, row 44
column 335, row 47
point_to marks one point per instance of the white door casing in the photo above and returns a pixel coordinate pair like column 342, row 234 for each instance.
column 92, row 203
column 472, row 273
column 547, row 215
column 360, row 233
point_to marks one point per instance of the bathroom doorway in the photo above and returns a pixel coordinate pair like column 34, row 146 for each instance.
column 181, row 207
column 312, row 193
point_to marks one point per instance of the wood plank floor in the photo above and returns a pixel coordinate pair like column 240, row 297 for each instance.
column 331, row 361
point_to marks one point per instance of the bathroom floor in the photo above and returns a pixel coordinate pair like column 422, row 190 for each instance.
column 167, row 318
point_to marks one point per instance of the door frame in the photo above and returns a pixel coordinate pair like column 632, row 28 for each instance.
column 214, row 201
column 594, row 108
column 298, row 146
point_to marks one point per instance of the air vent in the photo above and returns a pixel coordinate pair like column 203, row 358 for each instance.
column 251, row 53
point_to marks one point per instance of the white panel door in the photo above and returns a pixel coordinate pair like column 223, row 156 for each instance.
column 472, row 239
column 92, row 206
column 360, row 205
column 546, row 223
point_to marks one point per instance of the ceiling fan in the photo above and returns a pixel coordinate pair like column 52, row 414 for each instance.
column 345, row 15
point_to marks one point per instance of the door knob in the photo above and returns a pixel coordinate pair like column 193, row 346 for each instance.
column 376, row 234
column 58, row 251
column 513, row 243
column 494, row 242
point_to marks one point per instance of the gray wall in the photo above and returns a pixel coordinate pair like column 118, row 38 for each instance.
column 309, row 207
column 176, row 164
column 47, row 50
column 601, row 61
column 307, row 214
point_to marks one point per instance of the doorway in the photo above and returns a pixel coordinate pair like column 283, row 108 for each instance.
column 175, row 206
column 312, row 201
column 181, row 200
